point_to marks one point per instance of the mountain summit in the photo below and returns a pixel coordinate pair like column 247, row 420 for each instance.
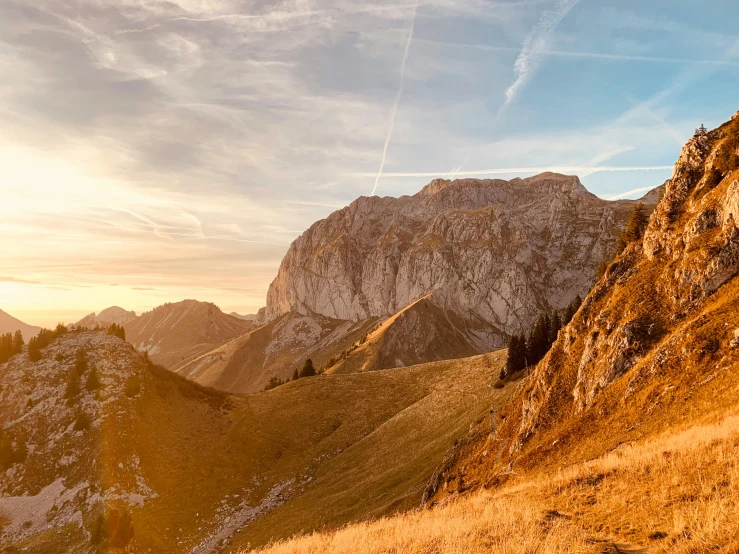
column 493, row 253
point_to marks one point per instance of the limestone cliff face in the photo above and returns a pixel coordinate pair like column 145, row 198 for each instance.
column 489, row 250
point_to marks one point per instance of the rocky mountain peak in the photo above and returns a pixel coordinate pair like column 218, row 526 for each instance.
column 494, row 251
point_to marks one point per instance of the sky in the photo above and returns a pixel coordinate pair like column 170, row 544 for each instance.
column 153, row 151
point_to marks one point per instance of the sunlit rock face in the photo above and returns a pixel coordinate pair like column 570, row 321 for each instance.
column 495, row 251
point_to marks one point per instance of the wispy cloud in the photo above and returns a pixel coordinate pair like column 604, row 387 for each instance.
column 398, row 96
column 629, row 193
column 577, row 169
column 534, row 46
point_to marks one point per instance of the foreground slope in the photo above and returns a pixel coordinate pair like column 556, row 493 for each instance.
column 9, row 324
column 677, row 493
column 174, row 334
column 192, row 469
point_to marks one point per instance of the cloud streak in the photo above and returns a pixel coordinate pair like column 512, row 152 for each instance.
column 628, row 193
column 398, row 96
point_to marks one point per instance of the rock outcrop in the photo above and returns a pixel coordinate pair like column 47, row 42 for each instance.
column 492, row 251
column 106, row 318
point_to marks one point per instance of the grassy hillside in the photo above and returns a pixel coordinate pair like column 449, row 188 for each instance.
column 678, row 493
column 196, row 468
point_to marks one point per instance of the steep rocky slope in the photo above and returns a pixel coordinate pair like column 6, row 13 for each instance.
column 108, row 316
column 656, row 342
column 174, row 334
column 189, row 469
column 9, row 324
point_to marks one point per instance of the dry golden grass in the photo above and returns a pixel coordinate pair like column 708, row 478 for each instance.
column 678, row 493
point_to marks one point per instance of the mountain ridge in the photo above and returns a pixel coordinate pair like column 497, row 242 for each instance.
column 10, row 324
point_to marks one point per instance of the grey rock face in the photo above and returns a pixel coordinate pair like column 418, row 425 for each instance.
column 491, row 250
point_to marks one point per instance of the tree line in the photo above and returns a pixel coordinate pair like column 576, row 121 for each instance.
column 527, row 349
column 10, row 345
column 308, row 370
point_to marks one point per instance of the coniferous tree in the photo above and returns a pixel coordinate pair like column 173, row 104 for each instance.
column 556, row 325
column 73, row 389
column 308, row 369
column 80, row 361
column 513, row 355
column 34, row 350
column 93, row 381
column 117, row 331
column 6, row 347
column 18, row 342
column 296, row 376
column 635, row 228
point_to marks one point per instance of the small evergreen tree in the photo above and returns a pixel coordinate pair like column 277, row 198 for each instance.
column 556, row 325
column 18, row 342
column 93, row 381
column 296, row 376
column 634, row 229
column 117, row 331
column 34, row 350
column 73, row 388
column 308, row 369
column 80, row 361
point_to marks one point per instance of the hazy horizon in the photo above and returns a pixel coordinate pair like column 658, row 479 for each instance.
column 157, row 151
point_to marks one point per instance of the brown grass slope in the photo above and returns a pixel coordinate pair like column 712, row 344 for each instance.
column 653, row 345
column 174, row 334
column 676, row 493
column 198, row 469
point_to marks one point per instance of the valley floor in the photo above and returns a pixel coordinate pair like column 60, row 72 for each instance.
column 677, row 493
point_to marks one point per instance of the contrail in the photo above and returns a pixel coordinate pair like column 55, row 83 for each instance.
column 397, row 100
column 534, row 46
column 501, row 171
